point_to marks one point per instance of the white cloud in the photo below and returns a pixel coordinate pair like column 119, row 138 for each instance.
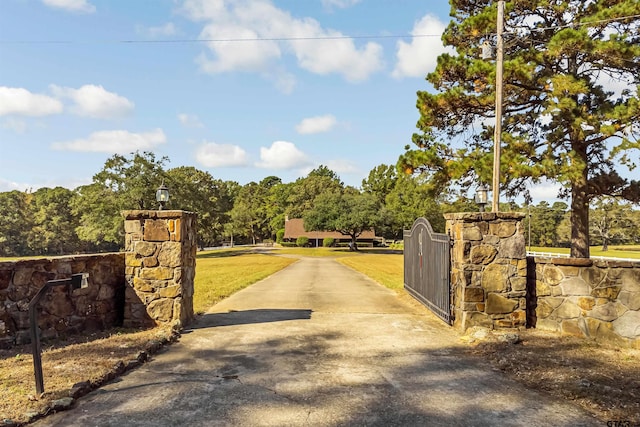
column 342, row 166
column 114, row 141
column 94, row 101
column 190, row 120
column 338, row 56
column 16, row 100
column 341, row 4
column 6, row 185
column 616, row 85
column 81, row 6
column 316, row 124
column 202, row 10
column 16, row 125
column 282, row 155
column 419, row 57
column 261, row 19
column 283, row 80
column 545, row 190
column 168, row 29
column 214, row 155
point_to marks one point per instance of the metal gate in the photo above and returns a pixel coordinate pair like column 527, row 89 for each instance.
column 426, row 268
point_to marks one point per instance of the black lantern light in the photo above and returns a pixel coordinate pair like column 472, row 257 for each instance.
column 482, row 196
column 162, row 195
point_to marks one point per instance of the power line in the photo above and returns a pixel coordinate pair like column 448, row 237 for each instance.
column 258, row 39
column 184, row 41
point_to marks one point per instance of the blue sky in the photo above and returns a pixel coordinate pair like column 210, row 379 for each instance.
column 73, row 92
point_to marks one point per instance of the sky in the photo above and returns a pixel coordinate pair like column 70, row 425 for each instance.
column 331, row 82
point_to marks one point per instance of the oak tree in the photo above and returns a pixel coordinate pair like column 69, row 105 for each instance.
column 124, row 183
column 348, row 212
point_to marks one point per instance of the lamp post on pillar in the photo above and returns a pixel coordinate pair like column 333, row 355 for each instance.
column 162, row 195
column 497, row 136
column 481, row 196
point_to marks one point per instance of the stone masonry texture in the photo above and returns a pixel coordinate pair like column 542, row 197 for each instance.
column 160, row 263
column 62, row 311
column 488, row 269
column 587, row 298
column 495, row 285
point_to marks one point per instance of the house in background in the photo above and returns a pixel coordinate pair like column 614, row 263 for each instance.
column 294, row 228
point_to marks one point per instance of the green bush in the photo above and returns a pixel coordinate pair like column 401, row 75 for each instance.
column 288, row 244
column 302, row 241
column 328, row 242
column 397, row 245
column 280, row 235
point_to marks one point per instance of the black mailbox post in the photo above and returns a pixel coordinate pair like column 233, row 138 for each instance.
column 76, row 281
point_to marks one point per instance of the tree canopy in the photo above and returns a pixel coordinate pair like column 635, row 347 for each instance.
column 571, row 112
column 55, row 221
column 348, row 212
column 305, row 190
column 124, row 183
column 197, row 191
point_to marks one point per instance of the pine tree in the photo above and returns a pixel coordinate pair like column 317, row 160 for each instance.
column 571, row 112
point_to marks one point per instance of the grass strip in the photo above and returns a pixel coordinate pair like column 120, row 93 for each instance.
column 632, row 252
column 386, row 269
column 315, row 252
column 222, row 273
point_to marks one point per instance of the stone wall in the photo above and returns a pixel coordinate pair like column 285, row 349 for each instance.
column 62, row 311
column 160, row 267
column 488, row 269
column 588, row 298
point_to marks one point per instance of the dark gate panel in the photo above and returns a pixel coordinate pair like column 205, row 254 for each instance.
column 426, row 268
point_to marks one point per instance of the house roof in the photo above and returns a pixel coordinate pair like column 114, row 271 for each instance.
column 294, row 228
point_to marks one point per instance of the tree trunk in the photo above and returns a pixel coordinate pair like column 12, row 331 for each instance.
column 605, row 245
column 580, row 210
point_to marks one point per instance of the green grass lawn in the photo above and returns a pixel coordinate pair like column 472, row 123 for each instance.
column 316, row 252
column 333, row 252
column 220, row 273
column 385, row 268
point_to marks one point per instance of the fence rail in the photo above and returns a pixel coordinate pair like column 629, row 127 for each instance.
column 562, row 255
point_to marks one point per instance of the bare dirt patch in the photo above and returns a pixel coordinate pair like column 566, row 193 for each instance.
column 87, row 361
column 602, row 379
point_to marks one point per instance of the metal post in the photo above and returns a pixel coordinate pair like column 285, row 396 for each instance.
column 76, row 281
column 497, row 136
column 529, row 227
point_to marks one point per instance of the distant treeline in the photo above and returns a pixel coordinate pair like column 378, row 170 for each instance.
column 56, row 221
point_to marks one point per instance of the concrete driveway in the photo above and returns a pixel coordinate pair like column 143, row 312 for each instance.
column 317, row 344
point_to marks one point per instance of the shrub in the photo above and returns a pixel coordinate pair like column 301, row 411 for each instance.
column 328, row 242
column 288, row 244
column 302, row 241
column 398, row 245
column 280, row 235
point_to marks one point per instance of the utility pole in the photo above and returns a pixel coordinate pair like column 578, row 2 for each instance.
column 497, row 136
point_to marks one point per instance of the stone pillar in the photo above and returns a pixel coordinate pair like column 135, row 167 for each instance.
column 160, row 266
column 488, row 269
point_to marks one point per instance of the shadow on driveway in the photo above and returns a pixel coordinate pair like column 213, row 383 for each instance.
column 246, row 317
